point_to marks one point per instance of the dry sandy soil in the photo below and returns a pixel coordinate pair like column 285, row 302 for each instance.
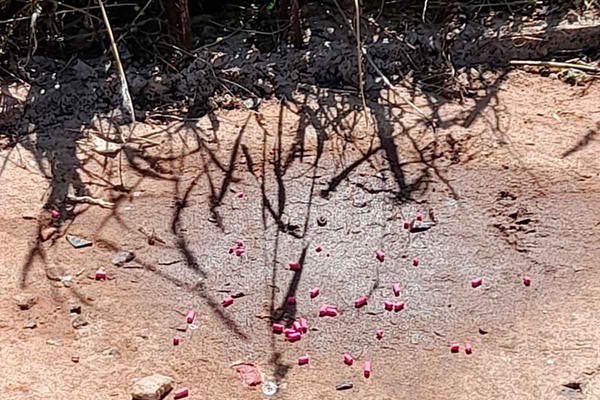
column 511, row 180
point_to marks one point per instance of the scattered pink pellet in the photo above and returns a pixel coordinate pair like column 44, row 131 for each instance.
column 291, row 300
column 454, row 347
column 314, row 292
column 175, row 340
column 406, row 224
column 240, row 252
column 419, row 216
column 380, row 255
column 468, row 348
column 289, row 331
column 100, row 274
column 416, row 262
column 379, row 334
column 526, row 280
column 327, row 310
column 240, row 244
column 277, row 328
column 348, row 359
column 319, row 248
column 361, row 301
column 227, row 301
column 399, row 306
column 292, row 337
column 396, row 289
column 231, row 249
column 476, row 282
column 367, row 369
column 54, row 214
column 190, row 316
column 181, row 393
column 239, row 195
column 304, row 324
column 297, row 326
column 388, row 305
column 303, row 360
column 294, row 265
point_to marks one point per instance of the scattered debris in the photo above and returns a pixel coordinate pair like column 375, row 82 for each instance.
column 54, row 342
column 314, row 292
column 54, row 273
column 151, row 236
column 26, row 300
column 294, row 265
column 396, row 289
column 47, row 233
column 181, row 393
column 321, row 221
column 176, row 340
column 476, row 282
column 380, row 255
column 407, row 224
column 182, row 328
column 415, row 262
column 239, row 194
column 454, row 347
column 379, row 334
column 399, row 306
column 227, row 301
column 238, row 295
column 54, row 214
column 122, row 257
column 319, row 248
column 30, row 325
column 419, row 216
column 169, row 262
column 303, row 360
column 153, row 387
column 571, row 389
column 190, row 316
column 79, row 322
column 420, row 226
column 483, row 331
column 100, row 274
column 75, row 309
column 344, row 385
column 526, row 280
column 361, row 301
column 367, row 369
column 269, row 388
column 468, row 348
column 78, row 242
column 249, row 374
column 388, row 305
column 75, row 359
column 348, row 359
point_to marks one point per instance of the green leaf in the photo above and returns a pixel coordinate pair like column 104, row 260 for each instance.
column 271, row 5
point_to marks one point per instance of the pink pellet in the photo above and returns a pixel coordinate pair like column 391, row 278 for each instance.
column 319, row 248
column 396, row 289
column 240, row 251
column 348, row 359
column 379, row 334
column 388, row 305
column 380, row 255
column 277, row 328
column 454, row 347
column 297, row 326
column 240, row 244
column 292, row 337
column 303, row 360
column 314, row 292
column 399, row 306
column 526, row 280
column 304, row 324
column 289, row 331
column 191, row 315
column 468, row 348
column 406, row 224
column 181, row 393
column 100, row 274
column 361, row 301
column 175, row 340
column 294, row 265
column 416, row 262
column 419, row 216
column 239, row 195
column 231, row 249
column 327, row 310
column 54, row 214
column 227, row 301
column 476, row 282
column 291, row 300
column 367, row 369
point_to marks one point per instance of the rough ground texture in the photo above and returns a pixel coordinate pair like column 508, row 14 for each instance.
column 511, row 177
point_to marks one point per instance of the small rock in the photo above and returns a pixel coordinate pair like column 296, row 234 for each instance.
column 26, row 300
column 67, row 280
column 251, row 103
column 269, row 388
column 182, row 328
column 122, row 257
column 344, row 385
column 417, row 226
column 54, row 342
column 79, row 322
column 75, row 359
column 78, row 242
column 523, row 221
column 75, row 309
column 321, row 221
column 47, row 233
column 483, row 331
column 30, row 325
column 152, row 387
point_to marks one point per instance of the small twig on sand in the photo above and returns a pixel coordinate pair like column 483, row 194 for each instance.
column 127, row 102
column 359, row 53
column 90, row 200
column 554, row 64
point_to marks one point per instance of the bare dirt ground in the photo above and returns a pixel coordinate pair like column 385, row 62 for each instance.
column 511, row 179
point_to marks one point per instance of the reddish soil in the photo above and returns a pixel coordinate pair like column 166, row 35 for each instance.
column 512, row 181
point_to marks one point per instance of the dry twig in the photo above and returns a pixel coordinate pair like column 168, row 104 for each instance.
column 554, row 64
column 90, row 200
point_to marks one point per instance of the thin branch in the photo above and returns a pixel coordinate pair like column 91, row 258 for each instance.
column 554, row 64
column 359, row 52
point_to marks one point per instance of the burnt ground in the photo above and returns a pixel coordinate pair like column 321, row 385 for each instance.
column 510, row 177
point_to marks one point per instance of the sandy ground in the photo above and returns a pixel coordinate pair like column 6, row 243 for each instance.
column 512, row 182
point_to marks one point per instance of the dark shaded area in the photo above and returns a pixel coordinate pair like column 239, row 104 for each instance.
column 585, row 141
